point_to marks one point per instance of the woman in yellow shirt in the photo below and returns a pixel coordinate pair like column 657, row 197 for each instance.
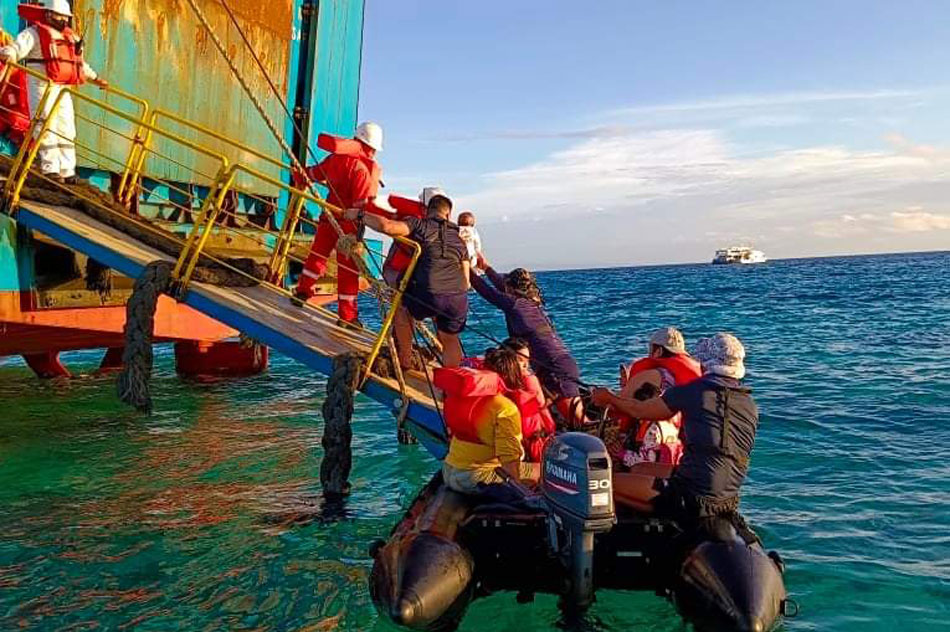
column 490, row 436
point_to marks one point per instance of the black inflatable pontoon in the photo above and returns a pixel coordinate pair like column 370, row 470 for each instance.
column 568, row 540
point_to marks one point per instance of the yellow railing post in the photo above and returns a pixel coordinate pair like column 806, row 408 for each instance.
column 33, row 148
column 203, row 229
column 278, row 260
column 394, row 307
column 138, row 164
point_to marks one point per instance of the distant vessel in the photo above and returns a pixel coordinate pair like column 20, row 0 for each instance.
column 739, row 254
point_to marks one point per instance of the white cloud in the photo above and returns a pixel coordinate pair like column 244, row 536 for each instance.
column 920, row 221
column 685, row 184
column 755, row 101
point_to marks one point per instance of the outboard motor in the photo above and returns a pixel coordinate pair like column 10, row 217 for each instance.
column 576, row 482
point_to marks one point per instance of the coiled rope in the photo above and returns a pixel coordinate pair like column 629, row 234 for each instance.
column 133, row 381
column 337, row 432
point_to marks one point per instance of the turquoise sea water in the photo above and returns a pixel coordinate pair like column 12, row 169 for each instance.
column 207, row 515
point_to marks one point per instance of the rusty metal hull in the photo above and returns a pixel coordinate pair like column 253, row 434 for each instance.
column 159, row 50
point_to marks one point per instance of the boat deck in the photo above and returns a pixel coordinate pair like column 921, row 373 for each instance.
column 307, row 335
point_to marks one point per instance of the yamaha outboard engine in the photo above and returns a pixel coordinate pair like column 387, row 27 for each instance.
column 577, row 482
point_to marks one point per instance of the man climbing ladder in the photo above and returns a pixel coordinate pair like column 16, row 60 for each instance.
column 351, row 175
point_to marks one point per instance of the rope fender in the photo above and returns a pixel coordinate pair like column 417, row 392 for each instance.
column 337, row 432
column 133, row 381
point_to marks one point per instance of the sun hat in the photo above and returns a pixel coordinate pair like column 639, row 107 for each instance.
column 721, row 354
column 669, row 338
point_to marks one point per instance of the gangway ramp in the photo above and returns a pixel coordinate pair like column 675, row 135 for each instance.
column 307, row 335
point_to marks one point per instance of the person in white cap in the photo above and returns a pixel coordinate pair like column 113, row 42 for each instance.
column 51, row 45
column 720, row 420
column 666, row 365
column 439, row 285
column 352, row 179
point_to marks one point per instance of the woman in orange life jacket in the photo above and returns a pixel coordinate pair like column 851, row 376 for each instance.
column 667, row 364
column 486, row 430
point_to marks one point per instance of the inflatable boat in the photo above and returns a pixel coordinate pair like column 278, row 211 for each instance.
column 568, row 539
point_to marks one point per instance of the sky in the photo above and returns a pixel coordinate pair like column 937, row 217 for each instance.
column 624, row 133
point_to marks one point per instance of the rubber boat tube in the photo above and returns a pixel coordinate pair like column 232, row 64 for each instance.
column 567, row 540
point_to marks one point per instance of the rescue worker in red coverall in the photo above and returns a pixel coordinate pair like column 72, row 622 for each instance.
column 352, row 181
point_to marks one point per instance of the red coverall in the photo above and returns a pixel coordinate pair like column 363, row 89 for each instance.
column 351, row 183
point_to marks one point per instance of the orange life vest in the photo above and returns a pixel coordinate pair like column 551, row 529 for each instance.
column 400, row 255
column 355, row 149
column 667, row 448
column 683, row 368
column 14, row 105
column 466, row 390
column 61, row 54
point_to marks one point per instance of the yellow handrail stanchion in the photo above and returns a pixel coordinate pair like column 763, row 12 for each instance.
column 30, row 143
column 193, row 234
column 393, row 308
column 32, row 148
column 209, row 226
column 138, row 163
column 278, row 260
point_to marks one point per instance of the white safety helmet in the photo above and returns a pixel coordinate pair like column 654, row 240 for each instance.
column 61, row 7
column 368, row 132
column 430, row 192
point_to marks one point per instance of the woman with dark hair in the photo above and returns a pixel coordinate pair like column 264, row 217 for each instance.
column 485, row 425
column 518, row 296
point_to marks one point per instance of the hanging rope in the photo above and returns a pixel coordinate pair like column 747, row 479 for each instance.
column 98, row 277
column 257, row 105
column 337, row 433
column 133, row 382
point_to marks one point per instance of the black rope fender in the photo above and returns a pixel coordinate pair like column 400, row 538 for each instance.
column 133, row 380
column 98, row 277
column 337, row 432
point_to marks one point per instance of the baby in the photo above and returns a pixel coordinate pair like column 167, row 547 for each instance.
column 469, row 235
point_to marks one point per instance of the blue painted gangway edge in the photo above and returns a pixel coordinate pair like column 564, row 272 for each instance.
column 129, row 257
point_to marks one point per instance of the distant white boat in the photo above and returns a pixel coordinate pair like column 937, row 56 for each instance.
column 739, row 254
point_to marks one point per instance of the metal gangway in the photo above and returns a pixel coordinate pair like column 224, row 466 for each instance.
column 153, row 141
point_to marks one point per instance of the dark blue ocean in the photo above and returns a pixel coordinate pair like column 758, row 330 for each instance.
column 207, row 515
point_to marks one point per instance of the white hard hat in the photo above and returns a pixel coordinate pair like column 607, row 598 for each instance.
column 61, row 7
column 367, row 132
column 430, row 192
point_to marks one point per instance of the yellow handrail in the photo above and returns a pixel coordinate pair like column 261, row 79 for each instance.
column 147, row 125
column 28, row 152
column 394, row 307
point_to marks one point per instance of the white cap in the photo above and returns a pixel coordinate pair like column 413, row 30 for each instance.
column 368, row 132
column 670, row 338
column 430, row 192
column 61, row 7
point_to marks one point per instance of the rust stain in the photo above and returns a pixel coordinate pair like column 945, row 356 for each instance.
column 158, row 49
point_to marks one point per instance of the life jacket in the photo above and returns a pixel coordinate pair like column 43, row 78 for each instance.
column 400, row 255
column 683, row 368
column 62, row 54
column 467, row 390
column 537, row 424
column 14, row 105
column 726, row 446
column 658, row 441
column 353, row 148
